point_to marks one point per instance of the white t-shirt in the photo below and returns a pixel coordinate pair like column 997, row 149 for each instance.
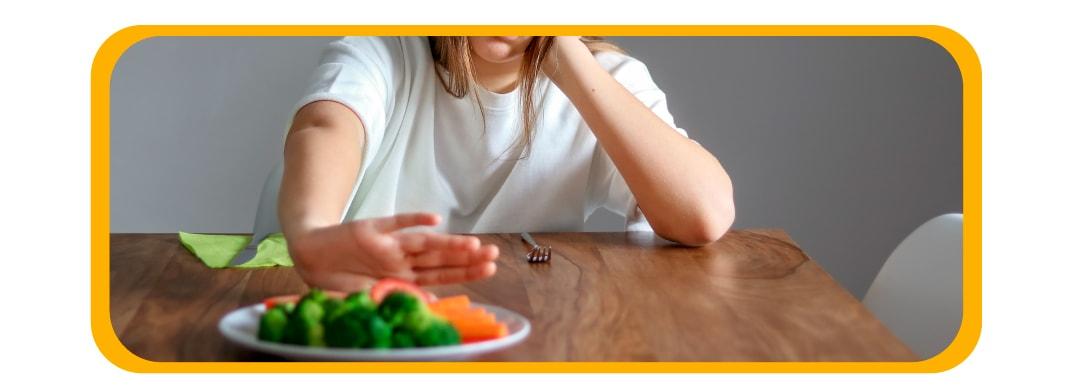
column 428, row 151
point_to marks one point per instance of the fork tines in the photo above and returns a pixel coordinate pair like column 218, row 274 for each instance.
column 540, row 254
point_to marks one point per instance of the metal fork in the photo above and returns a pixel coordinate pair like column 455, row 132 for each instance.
column 538, row 253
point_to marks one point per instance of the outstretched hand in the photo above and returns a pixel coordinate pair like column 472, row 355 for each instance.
column 352, row 256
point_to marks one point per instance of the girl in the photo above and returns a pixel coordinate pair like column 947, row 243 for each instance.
column 477, row 135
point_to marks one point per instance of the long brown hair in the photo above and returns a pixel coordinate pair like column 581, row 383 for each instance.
column 453, row 55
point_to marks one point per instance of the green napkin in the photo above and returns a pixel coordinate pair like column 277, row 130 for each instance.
column 216, row 250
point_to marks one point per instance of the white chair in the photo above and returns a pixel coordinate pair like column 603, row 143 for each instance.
column 918, row 291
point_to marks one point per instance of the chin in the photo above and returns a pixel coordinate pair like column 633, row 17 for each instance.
column 499, row 49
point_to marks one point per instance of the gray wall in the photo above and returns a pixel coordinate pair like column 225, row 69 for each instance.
column 846, row 143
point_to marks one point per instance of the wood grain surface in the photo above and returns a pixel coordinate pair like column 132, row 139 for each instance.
column 752, row 296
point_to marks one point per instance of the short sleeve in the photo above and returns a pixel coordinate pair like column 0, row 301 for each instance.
column 635, row 77
column 361, row 73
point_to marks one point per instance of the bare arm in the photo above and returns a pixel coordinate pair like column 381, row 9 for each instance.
column 322, row 157
column 322, row 160
column 681, row 188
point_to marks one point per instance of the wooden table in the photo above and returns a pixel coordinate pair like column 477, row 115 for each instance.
column 752, row 296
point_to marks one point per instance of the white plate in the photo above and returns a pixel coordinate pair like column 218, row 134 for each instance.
column 241, row 327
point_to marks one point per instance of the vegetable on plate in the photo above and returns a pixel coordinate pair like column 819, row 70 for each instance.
column 391, row 314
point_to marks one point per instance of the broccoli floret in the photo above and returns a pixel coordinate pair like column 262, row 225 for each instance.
column 380, row 333
column 315, row 294
column 288, row 307
column 330, row 306
column 304, row 324
column 273, row 322
column 309, row 310
column 403, row 339
column 303, row 332
column 438, row 333
column 358, row 328
column 361, row 299
column 400, row 309
column 355, row 301
column 348, row 330
column 397, row 306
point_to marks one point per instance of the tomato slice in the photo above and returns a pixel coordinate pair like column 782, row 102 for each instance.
column 388, row 285
column 279, row 300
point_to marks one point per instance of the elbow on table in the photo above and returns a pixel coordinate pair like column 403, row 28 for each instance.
column 704, row 228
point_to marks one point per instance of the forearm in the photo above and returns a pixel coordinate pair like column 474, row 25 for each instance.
column 322, row 159
column 681, row 188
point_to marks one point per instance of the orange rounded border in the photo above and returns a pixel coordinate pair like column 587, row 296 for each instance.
column 113, row 48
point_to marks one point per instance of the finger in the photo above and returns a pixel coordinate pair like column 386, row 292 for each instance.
column 452, row 258
column 421, row 242
column 455, row 274
column 489, row 252
column 369, row 240
column 400, row 221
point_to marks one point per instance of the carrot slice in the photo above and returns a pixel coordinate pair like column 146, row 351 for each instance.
column 480, row 330
column 449, row 310
column 472, row 314
column 451, row 303
column 473, row 323
column 456, row 310
column 472, row 319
